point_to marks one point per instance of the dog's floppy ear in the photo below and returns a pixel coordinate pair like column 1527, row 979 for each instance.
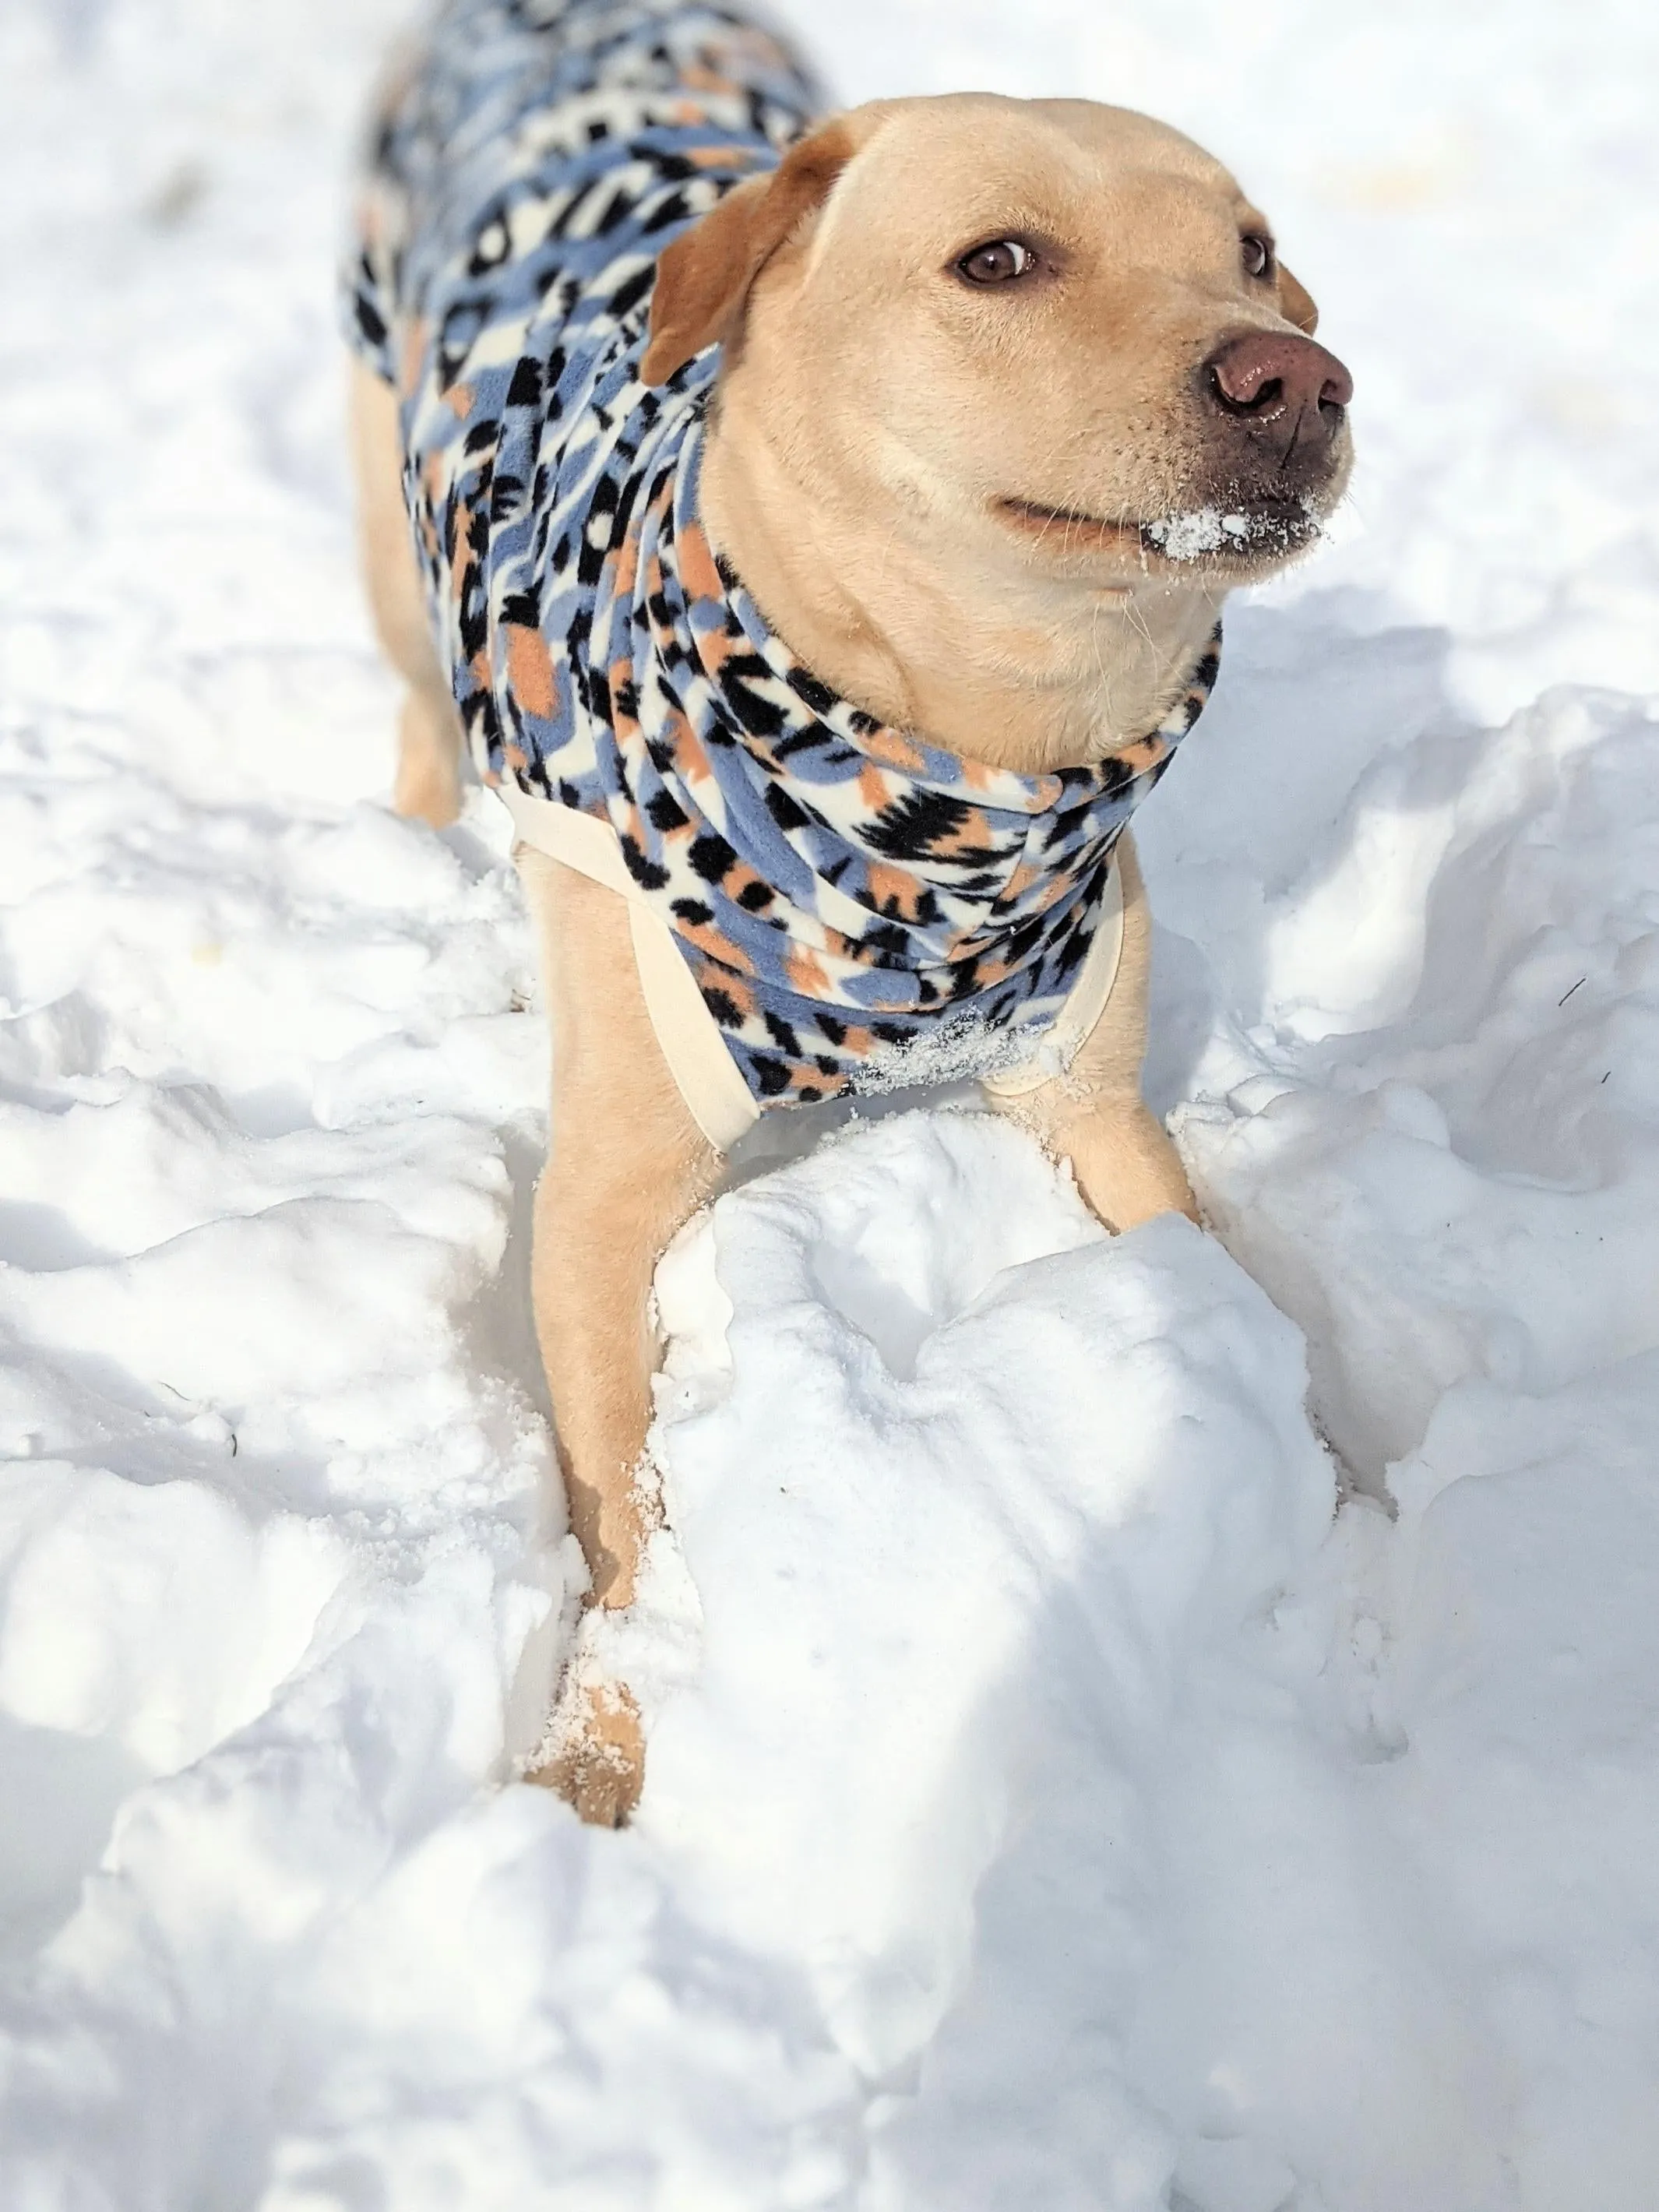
column 1296, row 303
column 703, row 278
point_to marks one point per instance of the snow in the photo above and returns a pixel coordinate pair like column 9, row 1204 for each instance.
column 1163, row 1723
column 1207, row 530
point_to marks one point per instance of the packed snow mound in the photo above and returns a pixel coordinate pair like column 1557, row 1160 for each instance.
column 1426, row 1121
column 1162, row 1725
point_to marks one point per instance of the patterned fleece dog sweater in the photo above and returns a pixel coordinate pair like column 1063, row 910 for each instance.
column 854, row 907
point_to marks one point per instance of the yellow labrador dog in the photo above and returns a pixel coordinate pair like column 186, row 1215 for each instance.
column 815, row 530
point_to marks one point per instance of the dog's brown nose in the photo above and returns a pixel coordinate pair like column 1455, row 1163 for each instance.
column 1287, row 394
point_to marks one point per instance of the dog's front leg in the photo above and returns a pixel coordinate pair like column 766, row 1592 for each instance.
column 626, row 1167
column 1094, row 1117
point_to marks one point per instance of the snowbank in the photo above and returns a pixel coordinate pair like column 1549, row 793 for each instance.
column 1056, row 1799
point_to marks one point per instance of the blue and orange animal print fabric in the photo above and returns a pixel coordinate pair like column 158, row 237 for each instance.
column 853, row 901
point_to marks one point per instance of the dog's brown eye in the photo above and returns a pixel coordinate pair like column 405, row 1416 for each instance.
column 999, row 262
column 1257, row 254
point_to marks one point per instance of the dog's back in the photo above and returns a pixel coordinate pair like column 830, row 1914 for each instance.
column 526, row 170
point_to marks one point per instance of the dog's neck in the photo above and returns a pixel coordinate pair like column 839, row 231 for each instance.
column 988, row 660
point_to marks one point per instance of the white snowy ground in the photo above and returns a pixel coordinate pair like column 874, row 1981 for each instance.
column 1051, row 1804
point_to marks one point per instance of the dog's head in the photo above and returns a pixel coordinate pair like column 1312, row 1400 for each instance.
column 1057, row 330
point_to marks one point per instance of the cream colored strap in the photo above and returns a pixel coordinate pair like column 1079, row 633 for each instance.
column 714, row 1092
column 1074, row 1024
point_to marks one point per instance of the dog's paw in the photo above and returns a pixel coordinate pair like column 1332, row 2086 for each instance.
column 594, row 1756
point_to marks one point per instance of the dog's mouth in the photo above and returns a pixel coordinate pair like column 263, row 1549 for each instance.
column 1064, row 528
column 1237, row 535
